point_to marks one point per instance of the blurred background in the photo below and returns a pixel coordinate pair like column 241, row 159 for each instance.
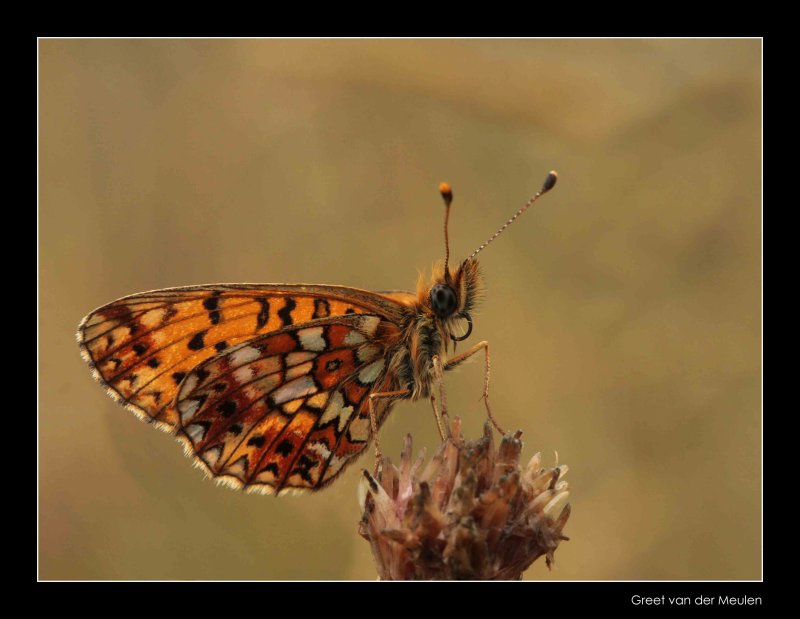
column 623, row 310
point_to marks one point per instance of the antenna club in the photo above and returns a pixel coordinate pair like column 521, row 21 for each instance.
column 447, row 193
column 550, row 181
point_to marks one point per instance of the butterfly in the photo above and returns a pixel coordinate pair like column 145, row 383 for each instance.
column 276, row 388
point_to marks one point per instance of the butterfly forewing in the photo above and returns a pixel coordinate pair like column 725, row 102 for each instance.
column 289, row 409
column 141, row 347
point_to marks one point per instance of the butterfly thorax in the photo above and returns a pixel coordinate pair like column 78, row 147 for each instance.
column 411, row 364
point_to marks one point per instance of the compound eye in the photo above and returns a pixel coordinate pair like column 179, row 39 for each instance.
column 443, row 300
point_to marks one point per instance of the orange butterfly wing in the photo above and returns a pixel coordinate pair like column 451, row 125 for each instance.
column 141, row 347
column 288, row 410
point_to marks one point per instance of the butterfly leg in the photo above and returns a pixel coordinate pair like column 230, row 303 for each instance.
column 442, row 421
column 373, row 419
column 460, row 358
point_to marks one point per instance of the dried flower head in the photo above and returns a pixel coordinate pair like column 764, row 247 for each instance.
column 471, row 513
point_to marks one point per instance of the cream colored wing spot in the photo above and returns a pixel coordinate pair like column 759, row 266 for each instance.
column 263, row 385
column 354, row 338
column 153, row 318
column 368, row 324
column 370, row 373
column 244, row 374
column 359, row 430
column 368, row 352
column 296, row 358
column 238, row 469
column 298, row 388
column 337, row 410
column 299, row 370
column 259, row 367
column 321, row 449
column 244, row 355
column 188, row 409
column 196, row 431
column 311, row 339
column 189, row 383
column 211, row 456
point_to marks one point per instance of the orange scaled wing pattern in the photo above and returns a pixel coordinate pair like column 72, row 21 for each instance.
column 143, row 348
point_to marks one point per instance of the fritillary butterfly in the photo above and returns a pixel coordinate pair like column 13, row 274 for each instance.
column 277, row 387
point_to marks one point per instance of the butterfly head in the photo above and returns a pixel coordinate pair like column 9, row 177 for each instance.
column 452, row 294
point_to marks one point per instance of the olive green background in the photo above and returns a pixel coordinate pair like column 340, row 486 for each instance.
column 623, row 311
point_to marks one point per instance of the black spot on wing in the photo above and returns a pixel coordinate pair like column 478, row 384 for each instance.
column 285, row 313
column 220, row 346
column 212, row 305
column 272, row 467
column 303, row 466
column 139, row 348
column 256, row 441
column 243, row 462
column 153, row 362
column 285, row 448
column 263, row 314
column 178, row 377
column 197, row 342
column 322, row 309
column 227, row 408
column 294, row 335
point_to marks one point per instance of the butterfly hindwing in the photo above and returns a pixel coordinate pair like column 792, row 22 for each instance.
column 141, row 347
column 287, row 410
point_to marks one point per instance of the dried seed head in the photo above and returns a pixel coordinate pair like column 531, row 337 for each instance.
column 471, row 513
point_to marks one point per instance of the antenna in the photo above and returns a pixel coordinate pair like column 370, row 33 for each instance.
column 549, row 183
column 447, row 196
